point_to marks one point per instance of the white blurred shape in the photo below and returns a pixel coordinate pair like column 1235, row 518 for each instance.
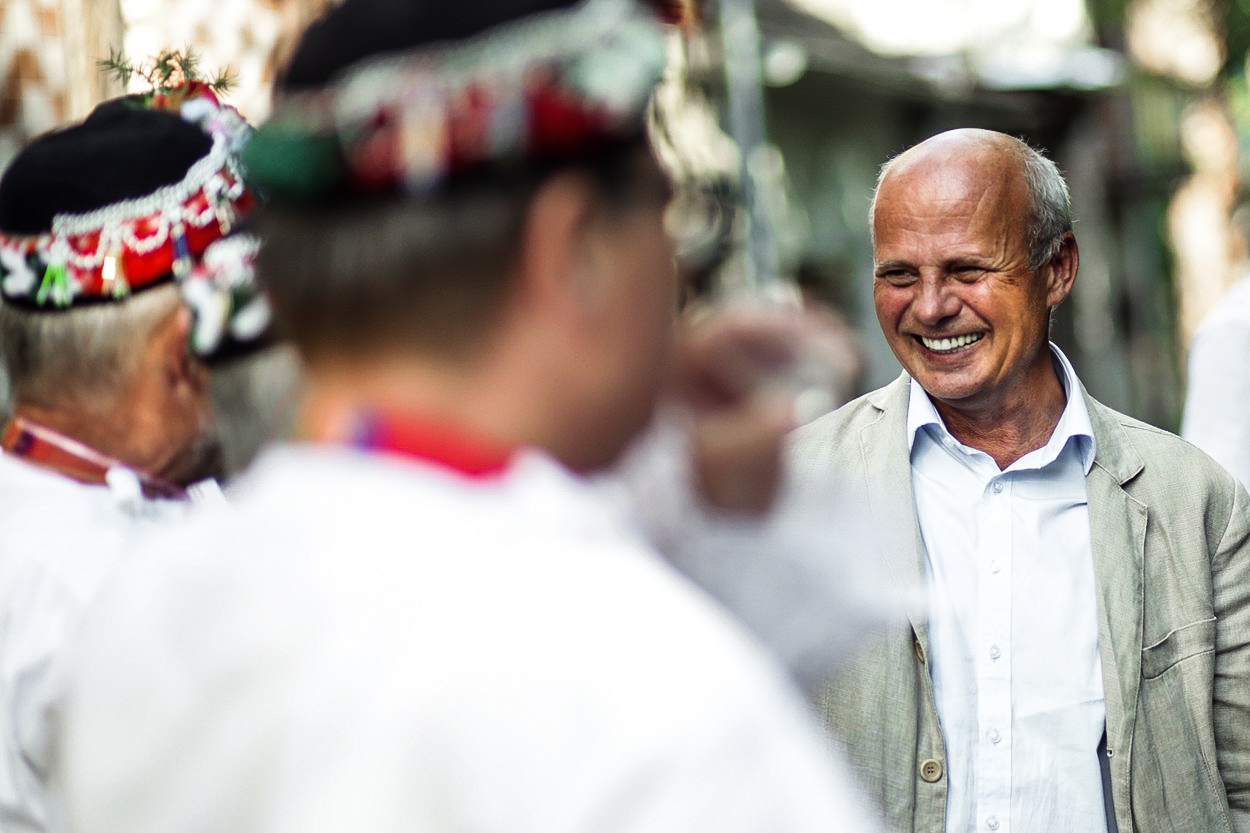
column 784, row 62
column 1177, row 38
column 808, row 580
column 1045, row 67
column 937, row 27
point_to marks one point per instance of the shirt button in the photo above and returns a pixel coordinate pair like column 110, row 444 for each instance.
column 919, row 651
column 992, row 822
column 931, row 770
column 995, row 566
column 994, row 736
column 998, row 486
column 994, row 652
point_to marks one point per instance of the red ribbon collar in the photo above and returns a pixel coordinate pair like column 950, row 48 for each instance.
column 56, row 452
column 431, row 440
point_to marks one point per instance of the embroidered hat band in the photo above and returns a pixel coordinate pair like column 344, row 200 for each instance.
column 127, row 199
column 554, row 84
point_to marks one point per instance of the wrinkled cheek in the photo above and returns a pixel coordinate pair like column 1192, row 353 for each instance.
column 889, row 312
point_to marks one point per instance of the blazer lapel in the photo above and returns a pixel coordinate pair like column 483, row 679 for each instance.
column 886, row 464
column 1118, row 539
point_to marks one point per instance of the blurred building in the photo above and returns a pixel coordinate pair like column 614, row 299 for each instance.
column 48, row 72
column 1120, row 92
column 49, row 50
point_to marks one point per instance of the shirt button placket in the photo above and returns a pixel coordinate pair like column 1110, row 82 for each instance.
column 994, row 672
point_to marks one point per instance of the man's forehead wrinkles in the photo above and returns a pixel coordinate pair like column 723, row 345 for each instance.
column 923, row 204
column 912, row 228
column 962, row 199
column 983, row 215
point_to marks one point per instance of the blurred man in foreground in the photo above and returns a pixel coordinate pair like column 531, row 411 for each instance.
column 1082, row 660
column 420, row 617
column 112, row 418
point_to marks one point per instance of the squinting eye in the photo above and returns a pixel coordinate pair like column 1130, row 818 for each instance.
column 897, row 278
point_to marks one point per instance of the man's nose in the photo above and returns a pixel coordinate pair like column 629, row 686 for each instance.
column 935, row 300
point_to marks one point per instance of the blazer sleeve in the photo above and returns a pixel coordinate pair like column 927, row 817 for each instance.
column 1230, row 573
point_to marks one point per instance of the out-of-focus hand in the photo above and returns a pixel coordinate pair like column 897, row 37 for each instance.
column 747, row 376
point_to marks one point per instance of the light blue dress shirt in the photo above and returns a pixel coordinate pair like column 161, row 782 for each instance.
column 1013, row 623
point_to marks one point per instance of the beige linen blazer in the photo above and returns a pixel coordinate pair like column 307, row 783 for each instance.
column 1169, row 530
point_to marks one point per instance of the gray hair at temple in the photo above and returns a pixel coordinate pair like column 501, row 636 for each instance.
column 1052, row 203
column 81, row 357
column 1052, row 206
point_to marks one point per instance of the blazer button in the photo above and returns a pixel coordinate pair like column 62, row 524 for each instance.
column 931, row 770
column 919, row 651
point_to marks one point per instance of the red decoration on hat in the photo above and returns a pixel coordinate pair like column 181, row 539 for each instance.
column 109, row 253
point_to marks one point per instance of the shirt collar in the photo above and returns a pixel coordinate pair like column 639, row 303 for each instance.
column 1074, row 424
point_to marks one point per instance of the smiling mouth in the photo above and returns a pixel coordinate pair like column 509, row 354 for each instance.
column 950, row 345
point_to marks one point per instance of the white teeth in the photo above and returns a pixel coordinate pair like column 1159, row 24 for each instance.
column 947, row 345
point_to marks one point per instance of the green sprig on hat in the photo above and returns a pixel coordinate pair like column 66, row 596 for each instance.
column 170, row 70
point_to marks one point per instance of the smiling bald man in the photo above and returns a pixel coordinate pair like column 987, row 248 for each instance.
column 1080, row 657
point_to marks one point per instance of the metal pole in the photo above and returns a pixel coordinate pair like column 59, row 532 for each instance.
column 741, row 47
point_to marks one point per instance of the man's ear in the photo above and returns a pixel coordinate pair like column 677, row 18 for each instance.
column 559, row 256
column 1062, row 271
column 172, row 338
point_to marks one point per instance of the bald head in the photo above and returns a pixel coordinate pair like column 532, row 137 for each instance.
column 967, row 157
column 965, row 278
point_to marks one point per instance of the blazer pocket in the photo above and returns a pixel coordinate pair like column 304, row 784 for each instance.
column 1179, row 644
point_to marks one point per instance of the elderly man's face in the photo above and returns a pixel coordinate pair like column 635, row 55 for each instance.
column 954, row 294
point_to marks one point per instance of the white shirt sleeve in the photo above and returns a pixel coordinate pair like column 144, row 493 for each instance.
column 796, row 578
column 1217, row 404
